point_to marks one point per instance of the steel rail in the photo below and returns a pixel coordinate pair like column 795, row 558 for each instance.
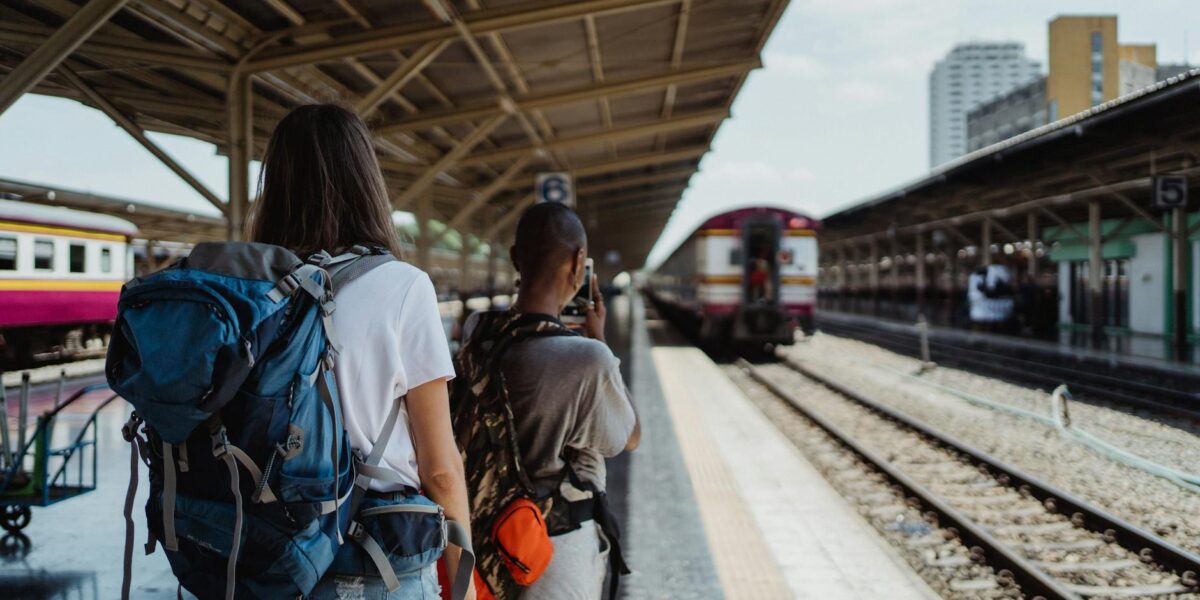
column 1034, row 582
column 1148, row 547
column 1116, row 390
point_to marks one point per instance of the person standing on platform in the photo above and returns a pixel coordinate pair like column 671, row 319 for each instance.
column 563, row 397
column 321, row 189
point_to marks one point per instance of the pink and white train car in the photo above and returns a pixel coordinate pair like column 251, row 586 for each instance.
column 746, row 277
column 61, row 271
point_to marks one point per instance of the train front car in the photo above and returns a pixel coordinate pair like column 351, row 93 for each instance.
column 61, row 271
column 745, row 278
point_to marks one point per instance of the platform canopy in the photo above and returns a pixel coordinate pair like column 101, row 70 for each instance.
column 1107, row 156
column 468, row 99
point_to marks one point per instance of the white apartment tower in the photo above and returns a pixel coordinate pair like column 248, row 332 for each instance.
column 970, row 74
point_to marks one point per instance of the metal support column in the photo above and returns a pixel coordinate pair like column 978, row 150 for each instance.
column 1179, row 277
column 1031, row 232
column 464, row 264
column 873, row 276
column 495, row 251
column 985, row 242
column 240, row 137
column 55, row 49
column 843, row 275
column 1095, row 275
column 920, row 274
column 894, row 272
column 423, row 213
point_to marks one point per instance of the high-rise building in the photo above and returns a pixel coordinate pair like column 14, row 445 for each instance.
column 970, row 74
column 1085, row 67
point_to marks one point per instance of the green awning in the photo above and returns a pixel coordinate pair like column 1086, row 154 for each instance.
column 1075, row 251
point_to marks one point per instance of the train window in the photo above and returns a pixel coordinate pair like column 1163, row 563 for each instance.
column 735, row 256
column 8, row 254
column 43, row 254
column 78, row 255
column 106, row 260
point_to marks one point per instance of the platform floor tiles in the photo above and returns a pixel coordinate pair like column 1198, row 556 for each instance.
column 774, row 526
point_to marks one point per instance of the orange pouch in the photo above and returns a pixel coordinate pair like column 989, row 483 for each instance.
column 521, row 536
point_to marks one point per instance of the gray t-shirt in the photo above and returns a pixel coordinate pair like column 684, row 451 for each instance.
column 566, row 392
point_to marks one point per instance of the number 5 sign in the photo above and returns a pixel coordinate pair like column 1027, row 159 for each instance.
column 555, row 187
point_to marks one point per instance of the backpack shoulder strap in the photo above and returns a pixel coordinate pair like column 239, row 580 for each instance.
column 351, row 264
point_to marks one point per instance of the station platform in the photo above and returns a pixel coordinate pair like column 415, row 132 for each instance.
column 1136, row 354
column 716, row 503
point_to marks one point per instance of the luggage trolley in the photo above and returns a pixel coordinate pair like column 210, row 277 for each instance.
column 32, row 472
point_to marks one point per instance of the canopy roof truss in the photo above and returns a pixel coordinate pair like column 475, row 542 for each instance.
column 467, row 99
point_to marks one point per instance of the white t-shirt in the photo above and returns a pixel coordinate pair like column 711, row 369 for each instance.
column 392, row 339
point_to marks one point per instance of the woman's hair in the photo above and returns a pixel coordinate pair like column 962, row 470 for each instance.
column 320, row 187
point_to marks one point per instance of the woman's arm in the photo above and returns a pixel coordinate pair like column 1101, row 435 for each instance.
column 438, row 462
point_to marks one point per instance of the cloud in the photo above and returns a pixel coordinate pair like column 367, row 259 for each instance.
column 794, row 64
column 758, row 172
column 860, row 92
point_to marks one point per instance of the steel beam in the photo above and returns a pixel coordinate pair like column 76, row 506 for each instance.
column 681, row 27
column 481, row 198
column 240, row 140
column 139, row 51
column 448, row 160
column 1095, row 275
column 1032, row 230
column 401, row 76
column 509, row 217
column 55, row 49
column 136, row 133
column 528, row 14
column 590, row 92
column 1180, row 246
column 603, row 135
column 627, row 182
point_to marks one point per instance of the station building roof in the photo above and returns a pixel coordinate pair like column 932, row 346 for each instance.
column 1109, row 153
column 468, row 99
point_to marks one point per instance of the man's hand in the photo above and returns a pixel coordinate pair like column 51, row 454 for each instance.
column 593, row 326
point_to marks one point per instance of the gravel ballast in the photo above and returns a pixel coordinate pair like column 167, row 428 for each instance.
column 1147, row 500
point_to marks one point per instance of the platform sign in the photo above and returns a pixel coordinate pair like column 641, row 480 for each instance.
column 555, row 187
column 1170, row 191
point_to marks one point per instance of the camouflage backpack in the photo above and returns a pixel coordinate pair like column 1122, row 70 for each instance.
column 486, row 431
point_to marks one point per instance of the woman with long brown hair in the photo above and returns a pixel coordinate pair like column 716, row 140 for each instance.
column 321, row 189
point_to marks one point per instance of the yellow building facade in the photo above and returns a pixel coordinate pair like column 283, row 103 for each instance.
column 1084, row 64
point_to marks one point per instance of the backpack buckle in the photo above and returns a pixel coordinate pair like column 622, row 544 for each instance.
column 129, row 430
column 220, row 442
column 355, row 530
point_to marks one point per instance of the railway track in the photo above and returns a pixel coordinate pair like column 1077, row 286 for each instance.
column 1016, row 533
column 1120, row 387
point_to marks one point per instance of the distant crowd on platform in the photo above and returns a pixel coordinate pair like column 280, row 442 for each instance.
column 998, row 300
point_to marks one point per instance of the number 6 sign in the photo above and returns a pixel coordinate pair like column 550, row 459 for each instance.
column 555, row 187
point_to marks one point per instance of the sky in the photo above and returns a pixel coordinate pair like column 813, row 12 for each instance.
column 838, row 113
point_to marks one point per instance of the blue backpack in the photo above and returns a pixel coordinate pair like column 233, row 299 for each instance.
column 227, row 358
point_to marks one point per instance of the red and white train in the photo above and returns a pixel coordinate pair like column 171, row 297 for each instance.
column 746, row 278
column 61, row 271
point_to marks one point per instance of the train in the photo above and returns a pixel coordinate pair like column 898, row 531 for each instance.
column 61, row 271
column 745, row 279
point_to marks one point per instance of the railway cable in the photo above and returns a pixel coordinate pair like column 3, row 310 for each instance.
column 1115, row 552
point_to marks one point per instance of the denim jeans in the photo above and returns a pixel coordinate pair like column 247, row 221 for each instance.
column 420, row 585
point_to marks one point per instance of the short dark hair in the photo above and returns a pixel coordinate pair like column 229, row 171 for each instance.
column 320, row 187
column 548, row 234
